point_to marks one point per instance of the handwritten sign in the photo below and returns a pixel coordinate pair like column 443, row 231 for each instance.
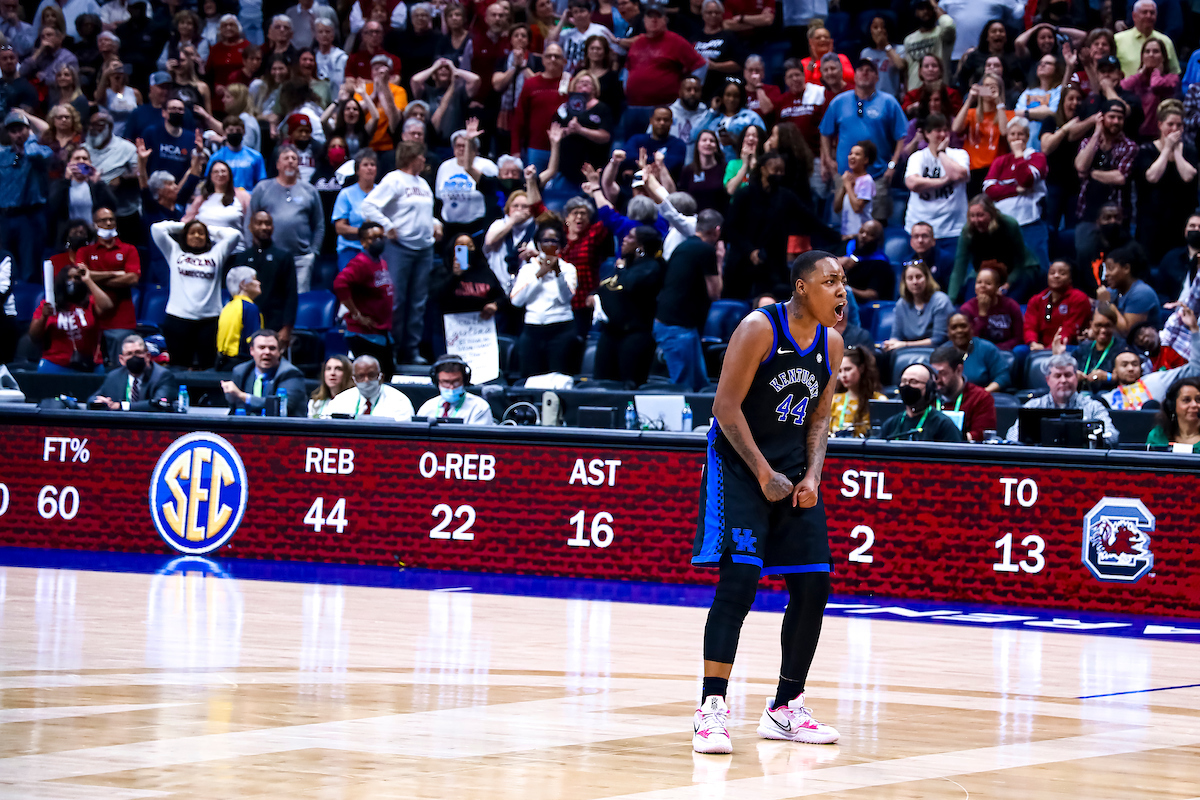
column 474, row 339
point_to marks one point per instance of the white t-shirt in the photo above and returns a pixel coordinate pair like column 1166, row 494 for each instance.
column 574, row 43
column 405, row 203
column 946, row 208
column 852, row 221
column 195, row 285
column 461, row 199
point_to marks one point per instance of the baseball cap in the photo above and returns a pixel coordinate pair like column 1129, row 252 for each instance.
column 1112, row 105
column 159, row 78
column 653, row 7
column 14, row 118
column 921, row 4
column 866, row 62
column 299, row 121
column 381, row 59
column 639, row 179
column 1108, row 62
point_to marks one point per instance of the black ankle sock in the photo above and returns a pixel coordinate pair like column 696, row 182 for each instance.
column 787, row 692
column 717, row 686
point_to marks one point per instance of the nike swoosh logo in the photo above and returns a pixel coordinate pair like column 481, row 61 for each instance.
column 782, row 352
column 785, row 725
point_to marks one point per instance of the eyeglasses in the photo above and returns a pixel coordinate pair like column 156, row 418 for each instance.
column 4, row 47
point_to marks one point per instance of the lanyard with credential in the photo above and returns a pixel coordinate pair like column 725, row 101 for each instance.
column 921, row 425
column 957, row 403
column 1087, row 367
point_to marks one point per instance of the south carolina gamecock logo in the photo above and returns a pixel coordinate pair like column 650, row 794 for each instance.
column 1116, row 539
column 198, row 493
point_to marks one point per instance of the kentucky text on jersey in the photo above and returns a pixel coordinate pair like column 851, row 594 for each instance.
column 796, row 375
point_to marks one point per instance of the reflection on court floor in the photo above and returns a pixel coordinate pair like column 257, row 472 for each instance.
column 189, row 683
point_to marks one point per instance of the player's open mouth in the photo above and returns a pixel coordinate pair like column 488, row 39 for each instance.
column 839, row 309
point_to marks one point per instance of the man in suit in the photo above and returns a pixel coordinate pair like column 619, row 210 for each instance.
column 263, row 376
column 137, row 382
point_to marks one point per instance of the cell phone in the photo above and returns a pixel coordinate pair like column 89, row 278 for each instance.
column 461, row 254
column 84, row 169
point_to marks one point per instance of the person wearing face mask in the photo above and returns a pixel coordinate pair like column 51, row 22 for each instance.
column 370, row 397
column 1093, row 241
column 115, row 266
column 66, row 328
column 544, row 287
column 263, row 376
column 195, row 255
column 452, row 376
column 627, row 300
column 1177, row 271
column 365, row 288
column 137, row 382
column 170, row 143
column 920, row 421
column 116, row 161
column 246, row 163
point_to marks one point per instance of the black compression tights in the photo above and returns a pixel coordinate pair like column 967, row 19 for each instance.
column 801, row 622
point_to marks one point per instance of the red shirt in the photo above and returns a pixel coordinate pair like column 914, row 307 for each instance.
column 1167, row 358
column 805, row 112
column 1073, row 313
column 358, row 65
column 369, row 284
column 750, row 8
column 657, row 67
column 585, row 254
column 70, row 329
column 122, row 258
column 485, row 53
column 773, row 94
column 536, row 108
column 812, row 70
column 224, row 60
column 979, row 410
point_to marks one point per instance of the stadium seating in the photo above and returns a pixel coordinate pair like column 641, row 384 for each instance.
column 896, row 245
column 883, row 313
column 723, row 318
column 154, row 310
column 316, row 313
column 1034, row 380
column 904, row 358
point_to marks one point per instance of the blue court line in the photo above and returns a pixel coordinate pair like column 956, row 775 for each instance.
column 1139, row 691
column 864, row 606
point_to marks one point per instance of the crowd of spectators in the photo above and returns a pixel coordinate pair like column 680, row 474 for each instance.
column 580, row 168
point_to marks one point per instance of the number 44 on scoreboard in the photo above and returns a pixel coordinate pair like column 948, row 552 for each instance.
column 316, row 519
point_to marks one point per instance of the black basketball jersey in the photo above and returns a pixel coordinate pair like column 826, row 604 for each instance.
column 783, row 397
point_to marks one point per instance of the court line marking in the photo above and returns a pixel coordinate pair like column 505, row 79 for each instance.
column 10, row 715
column 926, row 767
column 1140, row 691
column 75, row 791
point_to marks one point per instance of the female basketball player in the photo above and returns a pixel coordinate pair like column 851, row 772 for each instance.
column 760, row 505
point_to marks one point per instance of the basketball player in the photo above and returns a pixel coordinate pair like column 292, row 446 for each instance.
column 760, row 506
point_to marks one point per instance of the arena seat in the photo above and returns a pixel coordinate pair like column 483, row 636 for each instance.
column 884, row 312
column 135, row 292
column 896, row 246
column 506, row 344
column 154, row 308
column 723, row 318
column 588, row 366
column 905, row 357
column 1005, row 400
column 27, row 296
column 316, row 311
column 1033, row 377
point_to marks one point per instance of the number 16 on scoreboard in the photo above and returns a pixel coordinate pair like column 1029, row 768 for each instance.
column 602, row 532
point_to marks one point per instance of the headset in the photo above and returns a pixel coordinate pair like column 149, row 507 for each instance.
column 450, row 360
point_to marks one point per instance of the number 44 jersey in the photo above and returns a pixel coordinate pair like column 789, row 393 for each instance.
column 783, row 398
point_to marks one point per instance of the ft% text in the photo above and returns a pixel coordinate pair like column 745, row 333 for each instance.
column 58, row 448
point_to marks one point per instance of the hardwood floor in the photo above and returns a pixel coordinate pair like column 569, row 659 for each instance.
column 116, row 686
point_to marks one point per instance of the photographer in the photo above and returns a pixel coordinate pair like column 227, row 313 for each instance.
column 138, row 384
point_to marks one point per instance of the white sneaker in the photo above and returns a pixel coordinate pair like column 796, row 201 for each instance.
column 709, row 726
column 794, row 723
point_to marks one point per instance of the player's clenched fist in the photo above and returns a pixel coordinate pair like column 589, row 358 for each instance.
column 804, row 495
column 777, row 487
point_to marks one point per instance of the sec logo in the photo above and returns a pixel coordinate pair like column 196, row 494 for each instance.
column 1116, row 539
column 198, row 493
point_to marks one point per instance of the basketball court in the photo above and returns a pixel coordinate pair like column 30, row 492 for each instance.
column 192, row 684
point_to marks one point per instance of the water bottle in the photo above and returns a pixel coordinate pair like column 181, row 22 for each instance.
column 281, row 393
column 631, row 417
column 686, row 425
column 183, row 403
